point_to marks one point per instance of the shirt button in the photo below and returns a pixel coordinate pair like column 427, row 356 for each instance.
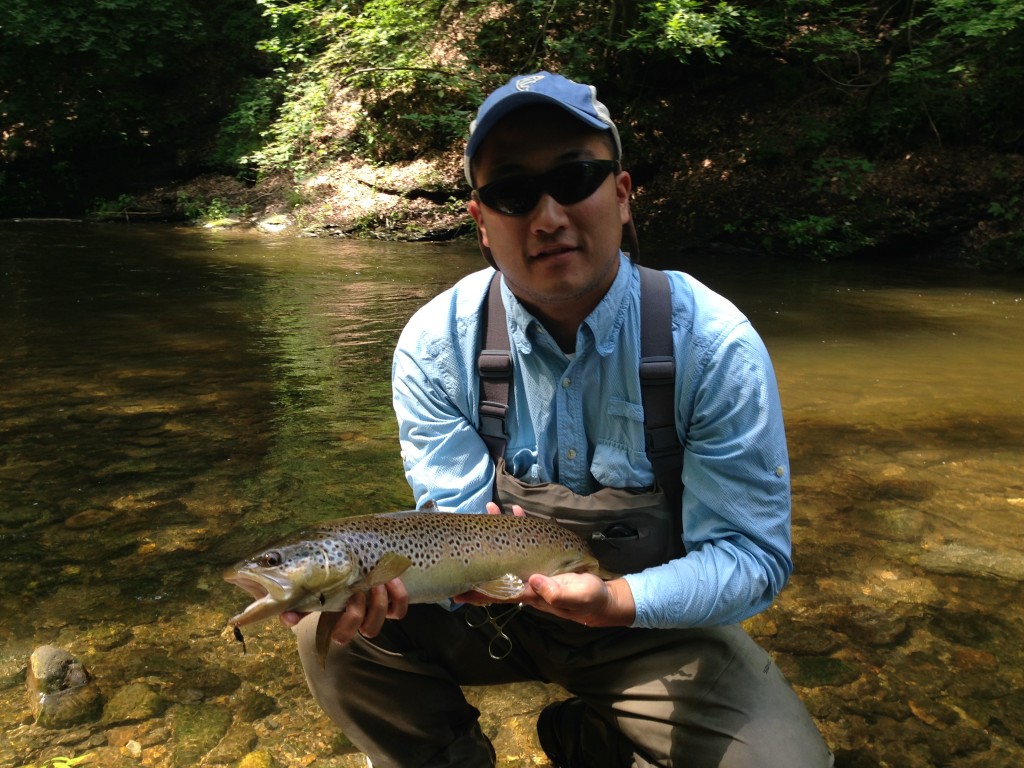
column 570, row 454
column 780, row 471
column 566, row 382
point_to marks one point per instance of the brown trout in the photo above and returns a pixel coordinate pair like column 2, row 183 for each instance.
column 437, row 554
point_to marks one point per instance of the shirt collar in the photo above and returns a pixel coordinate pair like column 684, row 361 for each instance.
column 608, row 316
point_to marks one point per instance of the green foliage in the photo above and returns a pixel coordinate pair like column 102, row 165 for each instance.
column 205, row 211
column 964, row 59
column 264, row 86
column 1006, row 210
column 844, row 176
column 417, row 85
column 241, row 133
column 114, row 209
column 913, row 67
column 101, row 89
column 407, row 102
column 682, row 28
column 816, row 237
column 949, row 69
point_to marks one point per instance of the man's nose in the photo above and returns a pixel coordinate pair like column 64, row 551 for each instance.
column 548, row 215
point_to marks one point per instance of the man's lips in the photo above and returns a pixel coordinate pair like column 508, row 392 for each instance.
column 553, row 250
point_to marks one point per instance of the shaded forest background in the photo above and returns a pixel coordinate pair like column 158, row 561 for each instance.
column 804, row 128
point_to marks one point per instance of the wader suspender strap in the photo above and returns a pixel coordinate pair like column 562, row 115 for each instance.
column 495, row 368
column 657, row 375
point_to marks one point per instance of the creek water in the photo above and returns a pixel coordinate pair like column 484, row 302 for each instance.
column 173, row 398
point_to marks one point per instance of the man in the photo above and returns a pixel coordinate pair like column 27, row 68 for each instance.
column 659, row 671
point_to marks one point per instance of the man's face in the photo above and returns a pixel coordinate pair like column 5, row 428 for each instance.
column 556, row 257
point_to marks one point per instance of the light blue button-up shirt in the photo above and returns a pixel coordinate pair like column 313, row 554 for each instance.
column 578, row 420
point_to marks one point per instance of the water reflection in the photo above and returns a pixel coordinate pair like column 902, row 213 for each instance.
column 174, row 398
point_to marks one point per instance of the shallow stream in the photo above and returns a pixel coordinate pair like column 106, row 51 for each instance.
column 173, row 398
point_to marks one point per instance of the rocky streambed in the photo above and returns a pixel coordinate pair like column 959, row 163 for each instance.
column 891, row 681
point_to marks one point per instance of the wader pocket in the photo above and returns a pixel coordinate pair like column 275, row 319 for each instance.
column 628, row 530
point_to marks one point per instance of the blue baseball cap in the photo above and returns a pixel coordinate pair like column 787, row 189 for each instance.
column 577, row 99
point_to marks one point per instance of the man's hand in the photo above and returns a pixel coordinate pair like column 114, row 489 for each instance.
column 583, row 598
column 580, row 597
column 364, row 613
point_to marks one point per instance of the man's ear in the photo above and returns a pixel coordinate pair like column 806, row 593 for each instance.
column 476, row 211
column 623, row 188
column 481, row 231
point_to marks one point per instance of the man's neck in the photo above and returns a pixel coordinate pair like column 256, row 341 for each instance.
column 564, row 333
column 561, row 321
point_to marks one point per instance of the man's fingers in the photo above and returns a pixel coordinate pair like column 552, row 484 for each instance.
column 350, row 619
column 398, row 599
column 376, row 611
column 291, row 618
column 494, row 509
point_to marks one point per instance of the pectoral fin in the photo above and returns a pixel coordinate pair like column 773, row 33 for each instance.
column 388, row 567
column 324, row 625
column 507, row 587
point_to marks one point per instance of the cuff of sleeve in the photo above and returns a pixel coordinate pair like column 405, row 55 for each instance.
column 638, row 586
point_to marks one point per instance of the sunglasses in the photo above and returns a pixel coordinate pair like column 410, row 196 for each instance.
column 567, row 183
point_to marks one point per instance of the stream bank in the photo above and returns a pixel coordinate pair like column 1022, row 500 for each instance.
column 960, row 206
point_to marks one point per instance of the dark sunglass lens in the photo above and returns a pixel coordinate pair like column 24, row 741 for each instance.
column 574, row 182
column 569, row 183
column 513, row 197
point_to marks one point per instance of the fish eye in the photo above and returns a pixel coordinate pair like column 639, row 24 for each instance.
column 270, row 559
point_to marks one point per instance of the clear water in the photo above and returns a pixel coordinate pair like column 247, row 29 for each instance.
column 173, row 398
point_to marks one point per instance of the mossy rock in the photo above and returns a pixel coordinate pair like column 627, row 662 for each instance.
column 261, row 758
column 252, row 705
column 815, row 671
column 196, row 729
column 133, row 703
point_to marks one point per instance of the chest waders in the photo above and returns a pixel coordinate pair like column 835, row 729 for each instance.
column 628, row 529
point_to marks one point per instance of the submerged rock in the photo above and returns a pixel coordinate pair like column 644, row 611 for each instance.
column 197, row 728
column 133, row 703
column 61, row 691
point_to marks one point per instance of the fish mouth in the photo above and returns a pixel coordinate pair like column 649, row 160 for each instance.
column 271, row 597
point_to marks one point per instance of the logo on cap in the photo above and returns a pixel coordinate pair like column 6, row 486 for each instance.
column 524, row 83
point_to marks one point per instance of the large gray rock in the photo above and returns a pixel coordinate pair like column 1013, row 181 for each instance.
column 61, row 691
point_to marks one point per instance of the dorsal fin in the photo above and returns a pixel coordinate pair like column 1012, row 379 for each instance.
column 428, row 506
